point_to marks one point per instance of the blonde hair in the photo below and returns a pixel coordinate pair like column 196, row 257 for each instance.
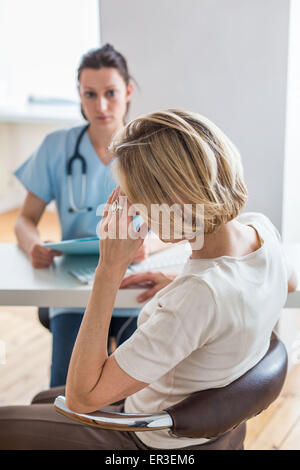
column 176, row 156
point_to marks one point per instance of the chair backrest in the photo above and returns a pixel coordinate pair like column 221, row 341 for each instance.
column 213, row 412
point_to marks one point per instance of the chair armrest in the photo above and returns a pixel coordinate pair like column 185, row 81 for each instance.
column 117, row 421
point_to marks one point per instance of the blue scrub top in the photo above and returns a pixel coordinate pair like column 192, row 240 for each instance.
column 44, row 174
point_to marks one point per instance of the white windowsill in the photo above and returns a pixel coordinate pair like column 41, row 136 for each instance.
column 40, row 114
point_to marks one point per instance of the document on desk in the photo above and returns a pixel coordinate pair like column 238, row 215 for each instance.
column 77, row 246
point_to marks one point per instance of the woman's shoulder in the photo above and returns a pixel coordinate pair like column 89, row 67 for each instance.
column 246, row 217
column 259, row 220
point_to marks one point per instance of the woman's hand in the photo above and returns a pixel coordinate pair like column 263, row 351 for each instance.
column 41, row 256
column 155, row 280
column 119, row 244
column 141, row 254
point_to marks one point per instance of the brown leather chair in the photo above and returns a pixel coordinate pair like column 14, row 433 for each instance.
column 208, row 413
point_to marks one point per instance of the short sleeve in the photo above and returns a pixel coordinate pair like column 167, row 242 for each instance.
column 35, row 175
column 178, row 325
column 263, row 221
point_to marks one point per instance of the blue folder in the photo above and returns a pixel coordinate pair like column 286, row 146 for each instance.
column 79, row 246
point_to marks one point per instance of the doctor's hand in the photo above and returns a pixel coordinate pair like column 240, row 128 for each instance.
column 155, row 281
column 41, row 256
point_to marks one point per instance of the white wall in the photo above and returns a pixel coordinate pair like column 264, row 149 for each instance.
column 18, row 140
column 20, row 136
column 291, row 205
column 226, row 59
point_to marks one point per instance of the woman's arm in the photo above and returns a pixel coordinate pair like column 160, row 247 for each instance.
column 94, row 379
column 27, row 233
column 292, row 282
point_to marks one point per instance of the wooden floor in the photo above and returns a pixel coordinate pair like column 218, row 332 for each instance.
column 28, row 358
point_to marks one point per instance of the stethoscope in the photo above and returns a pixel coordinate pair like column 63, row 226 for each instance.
column 77, row 156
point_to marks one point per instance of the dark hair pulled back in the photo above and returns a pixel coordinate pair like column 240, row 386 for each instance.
column 105, row 56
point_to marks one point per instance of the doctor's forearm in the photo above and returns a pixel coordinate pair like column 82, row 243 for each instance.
column 27, row 221
column 292, row 282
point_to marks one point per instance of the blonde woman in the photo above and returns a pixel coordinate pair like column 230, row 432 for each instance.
column 204, row 329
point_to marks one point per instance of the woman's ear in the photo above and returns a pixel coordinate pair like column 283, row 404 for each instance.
column 130, row 88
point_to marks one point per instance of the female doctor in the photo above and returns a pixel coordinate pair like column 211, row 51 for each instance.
column 73, row 167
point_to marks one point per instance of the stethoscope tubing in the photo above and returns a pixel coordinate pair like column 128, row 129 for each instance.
column 77, row 156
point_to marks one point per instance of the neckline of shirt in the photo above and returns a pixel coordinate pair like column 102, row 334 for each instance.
column 233, row 258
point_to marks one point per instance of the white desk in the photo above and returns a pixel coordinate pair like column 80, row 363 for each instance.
column 22, row 285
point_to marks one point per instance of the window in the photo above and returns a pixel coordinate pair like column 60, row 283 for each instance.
column 41, row 43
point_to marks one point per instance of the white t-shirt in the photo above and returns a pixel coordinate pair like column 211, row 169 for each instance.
column 205, row 329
